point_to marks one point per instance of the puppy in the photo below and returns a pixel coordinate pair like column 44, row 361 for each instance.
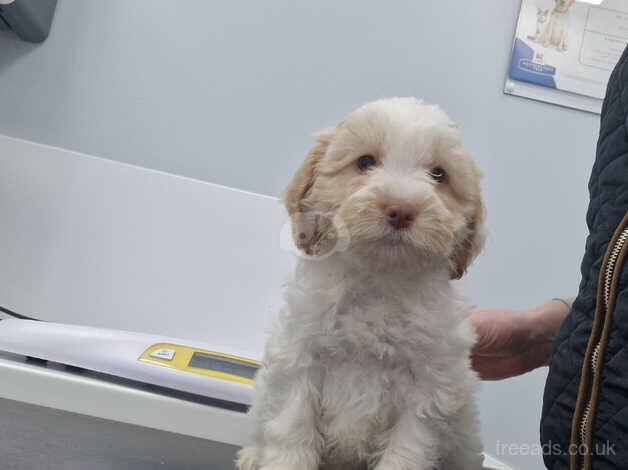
column 368, row 364
column 541, row 20
column 556, row 33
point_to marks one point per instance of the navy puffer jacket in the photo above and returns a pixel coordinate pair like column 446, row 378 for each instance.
column 585, row 408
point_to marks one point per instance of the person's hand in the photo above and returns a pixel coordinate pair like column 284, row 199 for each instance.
column 513, row 342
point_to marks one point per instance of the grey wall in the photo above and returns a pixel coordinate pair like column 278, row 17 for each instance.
column 231, row 91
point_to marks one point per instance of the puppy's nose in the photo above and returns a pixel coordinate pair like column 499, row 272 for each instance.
column 399, row 216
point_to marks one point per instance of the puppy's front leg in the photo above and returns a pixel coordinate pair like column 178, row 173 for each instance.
column 286, row 415
column 547, row 33
column 563, row 43
column 464, row 447
column 413, row 444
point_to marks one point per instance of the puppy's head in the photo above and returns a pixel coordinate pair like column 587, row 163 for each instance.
column 395, row 176
column 542, row 15
column 563, row 5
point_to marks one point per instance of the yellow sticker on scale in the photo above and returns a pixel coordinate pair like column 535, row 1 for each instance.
column 198, row 361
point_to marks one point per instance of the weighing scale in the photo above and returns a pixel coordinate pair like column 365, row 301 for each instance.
column 196, row 371
column 121, row 360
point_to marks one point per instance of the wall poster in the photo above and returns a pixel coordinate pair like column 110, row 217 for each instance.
column 565, row 50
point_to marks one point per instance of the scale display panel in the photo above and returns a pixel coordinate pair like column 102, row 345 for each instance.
column 201, row 360
column 198, row 361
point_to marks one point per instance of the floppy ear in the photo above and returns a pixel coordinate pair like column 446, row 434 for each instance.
column 472, row 244
column 305, row 221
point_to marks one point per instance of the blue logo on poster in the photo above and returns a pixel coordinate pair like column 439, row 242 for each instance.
column 535, row 67
column 523, row 68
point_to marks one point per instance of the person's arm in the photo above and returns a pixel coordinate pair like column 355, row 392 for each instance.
column 513, row 342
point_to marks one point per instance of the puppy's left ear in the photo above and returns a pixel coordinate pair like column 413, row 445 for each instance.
column 472, row 242
column 297, row 195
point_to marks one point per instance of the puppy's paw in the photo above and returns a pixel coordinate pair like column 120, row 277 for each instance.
column 464, row 461
column 247, row 459
column 408, row 466
column 288, row 465
column 277, row 467
column 399, row 464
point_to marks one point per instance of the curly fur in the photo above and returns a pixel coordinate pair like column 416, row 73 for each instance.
column 368, row 363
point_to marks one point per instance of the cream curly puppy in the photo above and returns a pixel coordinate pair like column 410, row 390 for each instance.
column 368, row 364
column 556, row 32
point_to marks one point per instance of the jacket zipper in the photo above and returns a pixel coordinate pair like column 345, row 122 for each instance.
column 589, row 382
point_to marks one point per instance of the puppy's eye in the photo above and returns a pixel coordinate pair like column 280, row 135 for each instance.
column 366, row 162
column 437, row 174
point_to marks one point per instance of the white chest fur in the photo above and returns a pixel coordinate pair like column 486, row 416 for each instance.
column 357, row 358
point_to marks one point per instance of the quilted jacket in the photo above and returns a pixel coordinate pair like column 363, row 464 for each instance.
column 585, row 409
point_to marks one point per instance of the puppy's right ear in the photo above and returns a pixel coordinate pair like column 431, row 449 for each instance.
column 296, row 194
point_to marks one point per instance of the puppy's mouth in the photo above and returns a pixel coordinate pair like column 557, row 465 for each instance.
column 396, row 238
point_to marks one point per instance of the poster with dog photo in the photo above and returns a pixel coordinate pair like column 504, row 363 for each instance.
column 569, row 45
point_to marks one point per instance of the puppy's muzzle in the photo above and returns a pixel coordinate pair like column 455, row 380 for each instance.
column 400, row 217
